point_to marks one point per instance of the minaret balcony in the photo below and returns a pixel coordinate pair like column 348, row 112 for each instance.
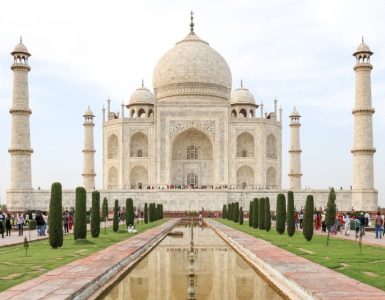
column 363, row 111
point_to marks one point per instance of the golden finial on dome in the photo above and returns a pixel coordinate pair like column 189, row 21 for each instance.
column 241, row 82
column 192, row 22
column 142, row 82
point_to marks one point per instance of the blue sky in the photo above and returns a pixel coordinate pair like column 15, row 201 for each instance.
column 297, row 51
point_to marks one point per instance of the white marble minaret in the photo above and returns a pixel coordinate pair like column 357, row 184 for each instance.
column 295, row 152
column 364, row 196
column 20, row 150
column 89, row 151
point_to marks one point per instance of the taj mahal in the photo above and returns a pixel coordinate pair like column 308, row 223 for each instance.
column 196, row 140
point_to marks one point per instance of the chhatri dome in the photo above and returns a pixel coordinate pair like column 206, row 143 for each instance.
column 21, row 48
column 192, row 67
column 242, row 96
column 142, row 95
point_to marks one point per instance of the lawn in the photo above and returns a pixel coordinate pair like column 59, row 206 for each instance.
column 342, row 256
column 16, row 267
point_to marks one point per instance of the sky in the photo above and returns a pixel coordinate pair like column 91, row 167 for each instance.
column 297, row 51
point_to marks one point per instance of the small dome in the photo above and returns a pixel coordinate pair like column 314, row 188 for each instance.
column 295, row 113
column 89, row 112
column 142, row 95
column 363, row 48
column 20, row 48
column 242, row 96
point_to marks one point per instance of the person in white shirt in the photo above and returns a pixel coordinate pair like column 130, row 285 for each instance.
column 347, row 224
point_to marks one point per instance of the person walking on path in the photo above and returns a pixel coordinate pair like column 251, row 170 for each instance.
column 65, row 222
column 20, row 224
column 347, row 224
column 301, row 219
column 378, row 222
column 2, row 224
column 8, row 225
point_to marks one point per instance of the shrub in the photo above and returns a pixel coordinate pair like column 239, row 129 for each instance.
column 261, row 213
column 55, row 220
column 229, row 214
column 251, row 214
column 281, row 213
column 267, row 214
column 105, row 209
column 241, row 216
column 236, row 212
column 224, row 211
column 308, row 218
column 330, row 217
column 80, row 224
column 129, row 212
column 145, row 215
column 255, row 213
column 95, row 214
column 31, row 225
column 159, row 211
column 290, row 214
column 151, row 214
column 115, row 221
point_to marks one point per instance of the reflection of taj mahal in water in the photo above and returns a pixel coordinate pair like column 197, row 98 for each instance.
column 193, row 142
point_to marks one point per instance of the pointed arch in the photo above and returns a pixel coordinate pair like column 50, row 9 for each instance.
column 234, row 113
column 245, row 177
column 243, row 113
column 271, row 146
column 112, row 146
column 271, row 178
column 141, row 113
column 139, row 177
column 245, row 145
column 139, row 145
column 112, row 178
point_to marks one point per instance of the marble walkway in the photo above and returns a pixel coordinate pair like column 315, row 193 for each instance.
column 303, row 278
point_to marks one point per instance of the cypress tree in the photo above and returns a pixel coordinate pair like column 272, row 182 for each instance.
column 251, row 214
column 115, row 222
column 129, row 212
column 308, row 218
column 331, row 209
column 158, row 212
column 290, row 214
column 281, row 213
column 255, row 213
column 261, row 213
column 267, row 214
column 145, row 215
column 224, row 211
column 80, row 224
column 241, row 216
column 151, row 214
column 236, row 212
column 229, row 214
column 105, row 213
column 55, row 220
column 95, row 214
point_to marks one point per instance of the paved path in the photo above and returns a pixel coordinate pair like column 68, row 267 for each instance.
column 369, row 238
column 298, row 277
column 82, row 275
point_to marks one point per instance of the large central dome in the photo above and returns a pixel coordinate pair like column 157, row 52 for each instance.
column 192, row 67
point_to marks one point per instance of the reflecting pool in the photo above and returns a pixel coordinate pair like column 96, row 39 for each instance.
column 194, row 263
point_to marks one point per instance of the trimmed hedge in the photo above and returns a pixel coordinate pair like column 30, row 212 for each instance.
column 55, row 221
column 95, row 214
column 281, row 213
column 267, row 214
column 308, row 218
column 290, row 214
column 80, row 224
column 145, row 215
column 105, row 209
column 251, row 214
column 224, row 211
column 129, row 212
column 115, row 221
column 241, row 216
column 255, row 213
column 261, row 213
column 236, row 212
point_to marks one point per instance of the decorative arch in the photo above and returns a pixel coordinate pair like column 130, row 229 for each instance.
column 139, row 145
column 271, row 180
column 150, row 113
column 113, row 178
column 271, row 146
column 234, row 113
column 252, row 113
column 139, row 177
column 141, row 113
column 243, row 113
column 245, row 177
column 245, row 145
column 112, row 146
column 192, row 179
column 132, row 113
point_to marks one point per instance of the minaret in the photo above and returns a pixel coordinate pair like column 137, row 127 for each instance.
column 364, row 195
column 89, row 151
column 295, row 152
column 20, row 150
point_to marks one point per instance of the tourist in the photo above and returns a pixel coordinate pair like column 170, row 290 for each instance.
column 301, row 219
column 8, row 225
column 131, row 229
column 20, row 224
column 362, row 220
column 378, row 223
column 347, row 224
column 296, row 219
column 65, row 222
column 2, row 224
column 367, row 219
column 357, row 225
column 39, row 223
column 70, row 221
column 45, row 217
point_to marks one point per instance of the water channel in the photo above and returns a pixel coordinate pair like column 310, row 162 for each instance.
column 195, row 263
